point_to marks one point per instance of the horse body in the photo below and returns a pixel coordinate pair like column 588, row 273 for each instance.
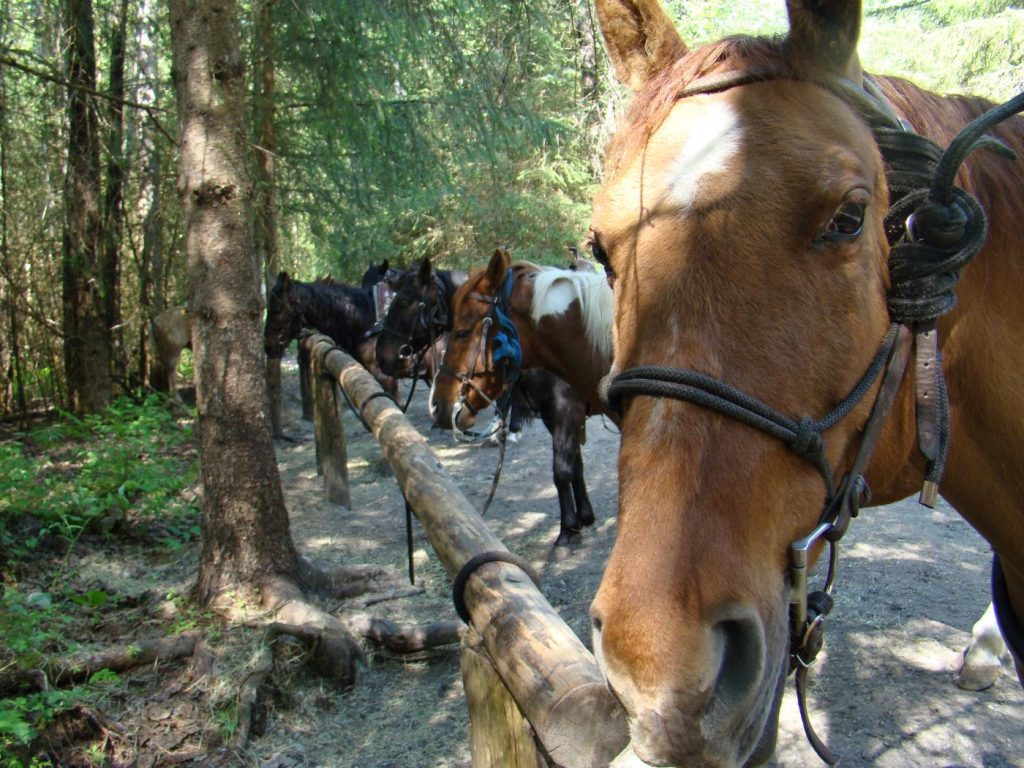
column 343, row 312
column 742, row 224
column 421, row 315
column 170, row 334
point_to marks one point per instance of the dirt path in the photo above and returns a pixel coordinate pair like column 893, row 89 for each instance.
column 912, row 583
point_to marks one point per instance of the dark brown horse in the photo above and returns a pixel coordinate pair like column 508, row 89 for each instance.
column 416, row 328
column 171, row 334
column 344, row 312
column 413, row 331
column 765, row 299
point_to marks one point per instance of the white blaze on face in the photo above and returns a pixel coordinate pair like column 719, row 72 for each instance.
column 715, row 138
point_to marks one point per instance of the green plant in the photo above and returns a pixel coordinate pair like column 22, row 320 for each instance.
column 21, row 717
column 79, row 474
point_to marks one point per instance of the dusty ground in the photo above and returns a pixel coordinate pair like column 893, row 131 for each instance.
column 912, row 583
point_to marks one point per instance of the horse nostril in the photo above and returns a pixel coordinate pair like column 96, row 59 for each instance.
column 742, row 658
column 595, row 622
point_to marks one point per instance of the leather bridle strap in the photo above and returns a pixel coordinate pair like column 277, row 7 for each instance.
column 803, row 436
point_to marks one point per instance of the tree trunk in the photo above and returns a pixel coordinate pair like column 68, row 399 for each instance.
column 13, row 384
column 266, row 189
column 87, row 346
column 151, row 294
column 113, row 208
column 585, row 28
column 246, row 542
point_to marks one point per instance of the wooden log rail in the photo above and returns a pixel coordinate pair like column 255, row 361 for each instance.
column 551, row 677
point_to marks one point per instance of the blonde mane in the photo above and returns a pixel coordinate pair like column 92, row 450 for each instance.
column 555, row 290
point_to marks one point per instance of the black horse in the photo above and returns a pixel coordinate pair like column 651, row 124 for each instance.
column 412, row 334
column 343, row 312
column 378, row 273
column 415, row 329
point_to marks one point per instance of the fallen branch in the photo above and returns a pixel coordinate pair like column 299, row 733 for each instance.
column 117, row 659
column 381, row 597
column 348, row 581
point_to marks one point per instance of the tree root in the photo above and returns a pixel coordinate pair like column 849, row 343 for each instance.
column 334, row 651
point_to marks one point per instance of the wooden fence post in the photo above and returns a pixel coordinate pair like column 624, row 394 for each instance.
column 499, row 735
column 329, row 429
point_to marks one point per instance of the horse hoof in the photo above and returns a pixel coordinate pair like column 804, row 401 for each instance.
column 977, row 677
column 587, row 516
column 566, row 538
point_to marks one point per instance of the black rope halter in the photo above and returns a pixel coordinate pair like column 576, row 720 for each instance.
column 934, row 229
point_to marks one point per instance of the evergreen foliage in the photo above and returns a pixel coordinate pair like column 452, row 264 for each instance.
column 404, row 128
column 456, row 130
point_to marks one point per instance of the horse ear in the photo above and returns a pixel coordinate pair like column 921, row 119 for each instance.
column 284, row 280
column 824, row 33
column 383, row 268
column 640, row 37
column 424, row 276
column 498, row 266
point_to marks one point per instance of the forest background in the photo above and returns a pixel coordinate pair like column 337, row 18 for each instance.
column 379, row 129
column 374, row 130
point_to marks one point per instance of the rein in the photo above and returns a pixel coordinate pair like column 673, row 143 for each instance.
column 934, row 230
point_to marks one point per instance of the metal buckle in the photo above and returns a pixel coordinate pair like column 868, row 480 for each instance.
column 800, row 624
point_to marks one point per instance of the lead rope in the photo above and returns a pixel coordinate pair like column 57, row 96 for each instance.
column 408, row 507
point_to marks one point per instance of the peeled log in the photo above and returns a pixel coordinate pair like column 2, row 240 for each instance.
column 551, row 675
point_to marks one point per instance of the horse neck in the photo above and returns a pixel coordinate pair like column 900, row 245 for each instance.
column 994, row 180
column 449, row 282
column 983, row 328
column 343, row 312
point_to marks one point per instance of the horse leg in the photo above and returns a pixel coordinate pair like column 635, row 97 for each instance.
column 515, row 423
column 305, row 383
column 563, row 414
column 984, row 657
column 565, row 455
column 579, row 490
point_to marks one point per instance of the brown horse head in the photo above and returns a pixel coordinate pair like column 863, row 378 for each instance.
column 470, row 380
column 742, row 224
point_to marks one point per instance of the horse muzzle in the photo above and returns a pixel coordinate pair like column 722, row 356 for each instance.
column 717, row 698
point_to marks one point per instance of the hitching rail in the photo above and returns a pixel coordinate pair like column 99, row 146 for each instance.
column 551, row 676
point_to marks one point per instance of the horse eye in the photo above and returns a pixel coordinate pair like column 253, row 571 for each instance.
column 846, row 224
column 461, row 335
column 602, row 257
